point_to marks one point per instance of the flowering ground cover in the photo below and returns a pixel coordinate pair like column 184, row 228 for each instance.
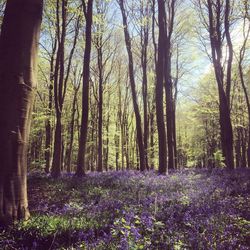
column 188, row 209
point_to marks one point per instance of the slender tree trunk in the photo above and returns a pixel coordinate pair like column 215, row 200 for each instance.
column 48, row 129
column 174, row 136
column 59, row 90
column 71, row 132
column 152, row 132
column 85, row 91
column 57, row 154
column 127, row 143
column 92, row 147
column 159, row 92
column 238, row 149
column 169, row 24
column 100, row 111
column 107, row 136
column 117, row 143
column 169, row 113
column 243, row 84
column 18, row 67
column 133, row 89
column 144, row 64
column 243, row 148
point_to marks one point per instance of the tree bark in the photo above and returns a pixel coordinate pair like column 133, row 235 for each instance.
column 80, row 172
column 100, row 109
column 106, row 161
column 71, row 131
column 243, row 84
column 168, row 25
column 159, row 92
column 48, row 130
column 216, row 42
column 48, row 127
column 144, row 33
column 18, row 67
column 59, row 90
column 133, row 89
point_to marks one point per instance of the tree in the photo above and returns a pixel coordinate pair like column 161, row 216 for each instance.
column 61, row 79
column 159, row 90
column 18, row 66
column 246, row 35
column 144, row 35
column 59, row 87
column 102, row 44
column 77, row 78
column 169, row 17
column 217, row 21
column 133, row 88
column 50, row 20
column 88, row 12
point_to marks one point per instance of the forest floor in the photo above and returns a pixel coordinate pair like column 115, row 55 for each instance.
column 188, row 209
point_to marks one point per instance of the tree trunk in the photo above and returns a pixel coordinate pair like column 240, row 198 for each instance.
column 107, row 137
column 226, row 131
column 100, row 111
column 159, row 92
column 48, row 127
column 57, row 153
column 59, row 91
column 71, row 131
column 174, row 135
column 144, row 12
column 238, row 149
column 117, row 144
column 215, row 17
column 168, row 29
column 152, row 142
column 240, row 68
column 133, row 89
column 18, row 67
column 85, row 92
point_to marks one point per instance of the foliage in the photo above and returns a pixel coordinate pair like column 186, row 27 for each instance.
column 218, row 158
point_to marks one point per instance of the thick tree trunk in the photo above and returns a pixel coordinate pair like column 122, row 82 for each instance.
column 18, row 66
column 226, row 130
column 85, row 92
column 215, row 16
